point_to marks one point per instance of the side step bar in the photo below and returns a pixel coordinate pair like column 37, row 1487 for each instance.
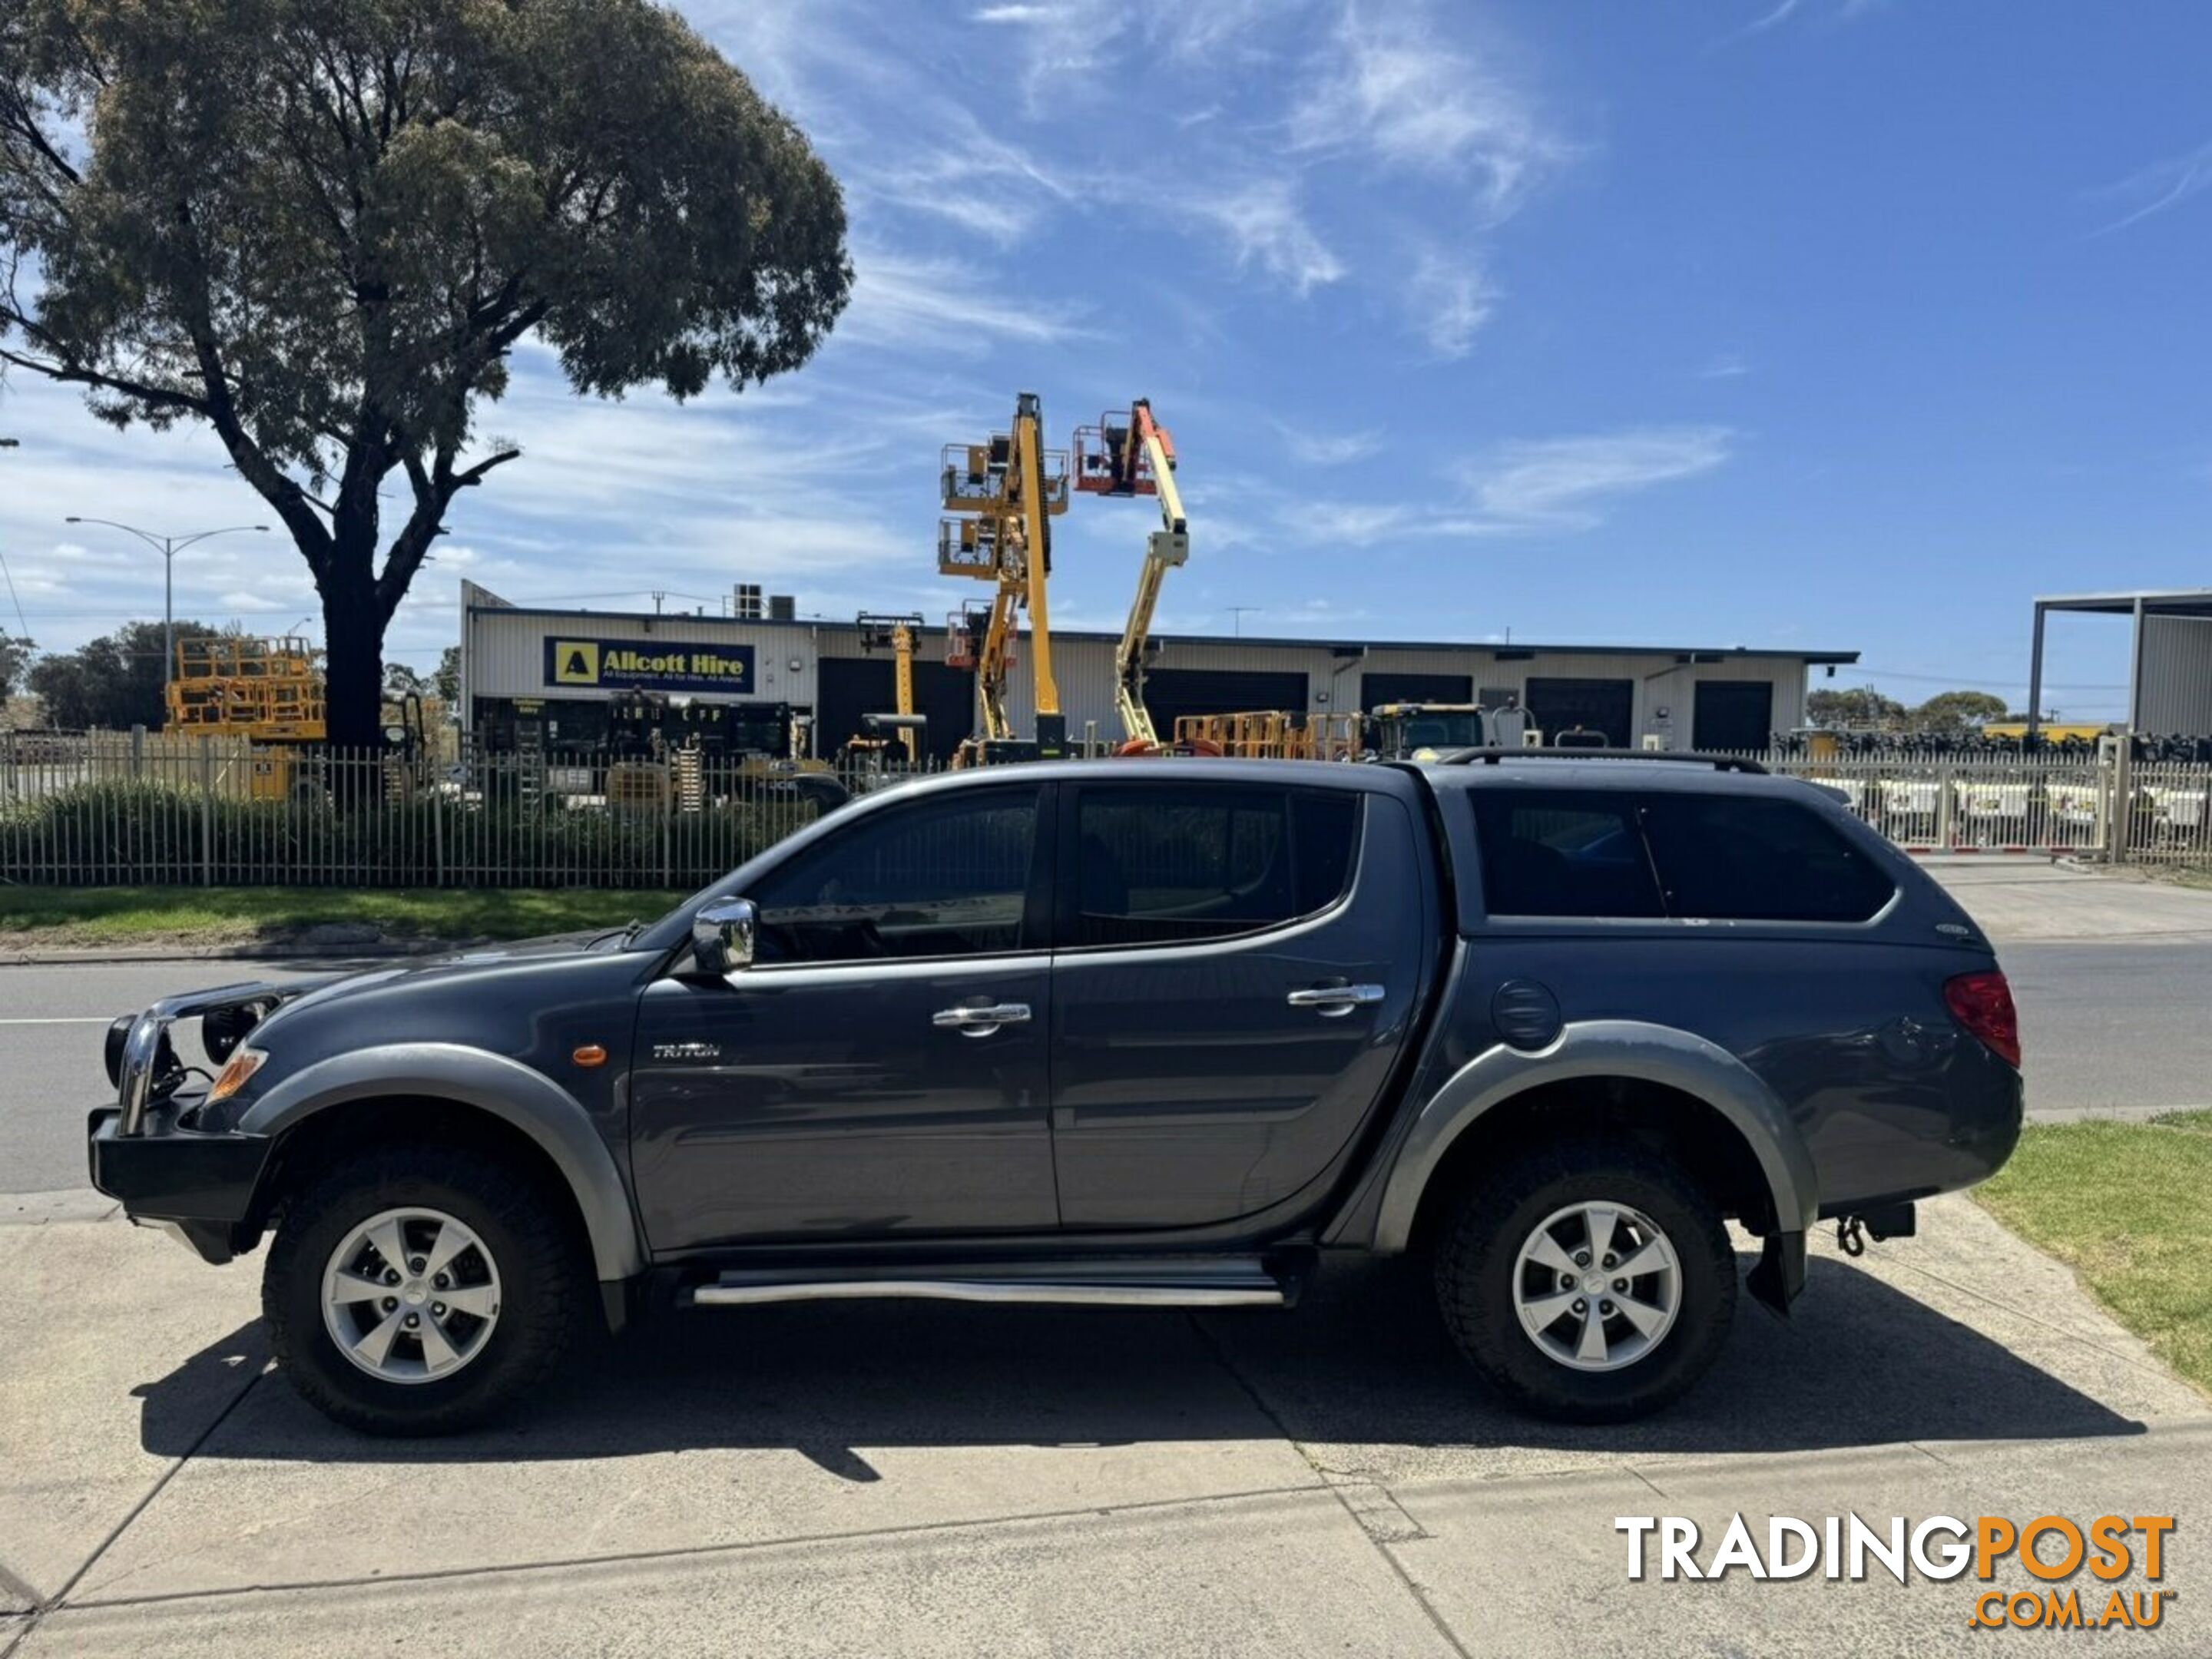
column 1212, row 1282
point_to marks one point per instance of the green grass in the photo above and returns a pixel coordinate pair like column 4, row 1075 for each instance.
column 2200, row 1119
column 97, row 916
column 2128, row 1205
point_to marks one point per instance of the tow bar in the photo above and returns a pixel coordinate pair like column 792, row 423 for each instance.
column 1881, row 1223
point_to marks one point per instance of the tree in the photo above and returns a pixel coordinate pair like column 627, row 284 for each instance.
column 115, row 681
column 321, row 226
column 1958, row 712
column 1856, row 708
column 448, row 680
column 15, row 656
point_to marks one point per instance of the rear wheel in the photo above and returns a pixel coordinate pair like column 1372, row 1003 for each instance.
column 420, row 1290
column 1588, row 1282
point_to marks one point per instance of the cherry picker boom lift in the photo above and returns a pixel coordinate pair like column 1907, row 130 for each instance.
column 1130, row 454
column 1001, row 496
column 897, row 635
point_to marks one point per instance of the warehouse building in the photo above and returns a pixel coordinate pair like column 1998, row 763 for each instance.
column 547, row 678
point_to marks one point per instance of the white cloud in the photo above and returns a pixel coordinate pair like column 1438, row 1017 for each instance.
column 912, row 303
column 1450, row 298
column 1329, row 448
column 1773, row 19
column 2162, row 186
column 1560, row 483
column 968, row 177
column 1528, row 487
column 1195, row 31
column 1265, row 225
column 1784, row 11
column 1727, row 366
column 1069, row 47
column 1395, row 89
column 1349, row 523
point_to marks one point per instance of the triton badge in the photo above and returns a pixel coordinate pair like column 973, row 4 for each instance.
column 687, row 1051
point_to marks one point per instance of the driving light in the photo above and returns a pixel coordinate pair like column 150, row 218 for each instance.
column 242, row 1065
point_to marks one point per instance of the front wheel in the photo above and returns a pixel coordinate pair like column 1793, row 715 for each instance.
column 1588, row 1282
column 418, row 1291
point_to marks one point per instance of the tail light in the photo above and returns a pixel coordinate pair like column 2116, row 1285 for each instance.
column 1983, row 1004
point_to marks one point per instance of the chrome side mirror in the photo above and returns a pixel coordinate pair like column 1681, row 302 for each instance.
column 722, row 935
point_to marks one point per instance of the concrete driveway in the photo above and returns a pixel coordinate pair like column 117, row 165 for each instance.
column 2022, row 900
column 904, row 1479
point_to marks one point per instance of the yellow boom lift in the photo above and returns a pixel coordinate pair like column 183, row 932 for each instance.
column 1130, row 454
column 1000, row 497
column 897, row 635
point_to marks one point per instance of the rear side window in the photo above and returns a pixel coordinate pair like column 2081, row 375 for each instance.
column 1559, row 853
column 1740, row 858
column 1157, row 866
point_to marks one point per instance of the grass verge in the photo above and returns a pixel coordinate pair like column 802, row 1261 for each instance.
column 95, row 917
column 2128, row 1205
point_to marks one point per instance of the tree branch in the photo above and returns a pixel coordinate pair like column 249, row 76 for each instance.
column 160, row 397
column 475, row 475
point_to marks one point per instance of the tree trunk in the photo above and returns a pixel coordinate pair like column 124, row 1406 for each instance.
column 352, row 635
column 353, row 620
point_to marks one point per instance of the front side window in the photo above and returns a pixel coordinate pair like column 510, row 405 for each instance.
column 1564, row 853
column 1742, row 859
column 947, row 878
column 1157, row 866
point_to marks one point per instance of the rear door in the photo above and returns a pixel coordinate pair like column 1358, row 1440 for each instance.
column 1234, row 969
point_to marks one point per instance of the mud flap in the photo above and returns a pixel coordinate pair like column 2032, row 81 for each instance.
column 1780, row 1274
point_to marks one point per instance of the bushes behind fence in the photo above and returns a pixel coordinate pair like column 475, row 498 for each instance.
column 134, row 832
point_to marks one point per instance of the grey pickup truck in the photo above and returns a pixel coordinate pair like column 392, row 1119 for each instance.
column 1143, row 1032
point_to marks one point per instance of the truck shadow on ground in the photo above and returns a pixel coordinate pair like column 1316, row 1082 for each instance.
column 1360, row 1369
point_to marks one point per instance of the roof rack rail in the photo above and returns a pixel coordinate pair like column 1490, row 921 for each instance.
column 1691, row 757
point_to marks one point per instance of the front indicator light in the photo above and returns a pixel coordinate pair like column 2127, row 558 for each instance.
column 229, row 1081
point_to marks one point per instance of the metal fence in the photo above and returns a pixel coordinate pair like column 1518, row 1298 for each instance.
column 105, row 811
column 2113, row 808
column 115, row 809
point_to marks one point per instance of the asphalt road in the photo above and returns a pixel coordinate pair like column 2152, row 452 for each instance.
column 2107, row 1026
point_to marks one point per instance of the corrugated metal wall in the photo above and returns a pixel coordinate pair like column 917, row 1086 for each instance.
column 503, row 655
column 2173, row 693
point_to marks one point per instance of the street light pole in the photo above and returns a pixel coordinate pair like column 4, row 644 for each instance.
column 168, row 547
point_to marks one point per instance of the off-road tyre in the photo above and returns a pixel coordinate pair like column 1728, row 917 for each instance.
column 544, row 1283
column 1475, row 1264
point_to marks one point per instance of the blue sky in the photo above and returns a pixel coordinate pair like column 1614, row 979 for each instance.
column 1819, row 323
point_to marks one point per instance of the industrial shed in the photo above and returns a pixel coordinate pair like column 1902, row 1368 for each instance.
column 2170, row 664
column 557, row 670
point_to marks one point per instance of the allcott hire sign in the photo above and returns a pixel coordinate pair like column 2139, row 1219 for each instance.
column 652, row 666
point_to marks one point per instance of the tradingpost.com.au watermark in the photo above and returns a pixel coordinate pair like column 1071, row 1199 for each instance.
column 2124, row 1555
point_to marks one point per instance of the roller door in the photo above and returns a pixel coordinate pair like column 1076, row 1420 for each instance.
column 1606, row 705
column 1375, row 689
column 1733, row 715
column 851, row 687
column 1172, row 693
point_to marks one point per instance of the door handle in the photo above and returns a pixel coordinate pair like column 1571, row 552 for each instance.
column 1336, row 1002
column 981, row 1022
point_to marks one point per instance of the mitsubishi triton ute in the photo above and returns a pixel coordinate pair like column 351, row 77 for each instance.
column 1168, row 1032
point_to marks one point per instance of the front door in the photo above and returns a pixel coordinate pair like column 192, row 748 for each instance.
column 1236, row 972
column 881, row 1068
